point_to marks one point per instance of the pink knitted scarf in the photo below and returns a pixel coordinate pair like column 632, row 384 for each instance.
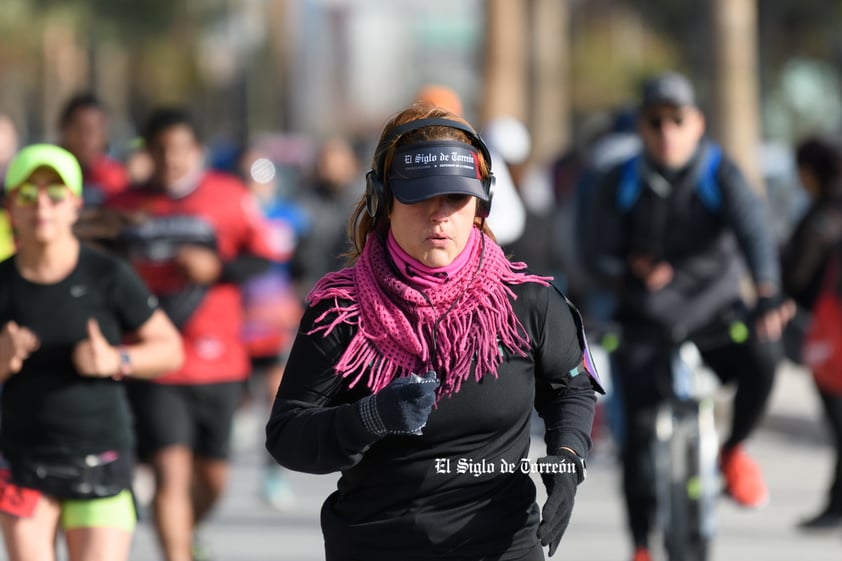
column 471, row 313
column 420, row 275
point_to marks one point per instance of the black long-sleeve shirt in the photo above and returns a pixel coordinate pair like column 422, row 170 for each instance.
column 707, row 249
column 405, row 497
column 805, row 256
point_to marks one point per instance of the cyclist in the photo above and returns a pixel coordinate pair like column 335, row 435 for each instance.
column 673, row 258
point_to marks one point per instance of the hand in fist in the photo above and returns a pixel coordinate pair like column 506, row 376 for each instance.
column 95, row 356
column 654, row 274
column 199, row 264
column 16, row 344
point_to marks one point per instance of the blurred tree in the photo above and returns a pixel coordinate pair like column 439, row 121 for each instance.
column 805, row 99
column 128, row 20
column 613, row 48
column 787, row 32
column 136, row 54
column 506, row 69
column 737, row 117
column 550, row 115
column 17, row 66
column 133, row 54
column 802, row 53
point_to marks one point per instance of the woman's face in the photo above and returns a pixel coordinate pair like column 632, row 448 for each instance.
column 434, row 231
column 43, row 209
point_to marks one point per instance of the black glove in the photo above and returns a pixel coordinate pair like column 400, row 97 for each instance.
column 561, row 474
column 402, row 407
column 766, row 304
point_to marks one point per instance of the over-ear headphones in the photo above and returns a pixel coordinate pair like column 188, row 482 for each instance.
column 375, row 189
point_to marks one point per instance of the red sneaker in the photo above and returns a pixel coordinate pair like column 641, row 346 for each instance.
column 641, row 554
column 743, row 480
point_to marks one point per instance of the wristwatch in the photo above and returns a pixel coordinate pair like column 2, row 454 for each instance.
column 125, row 363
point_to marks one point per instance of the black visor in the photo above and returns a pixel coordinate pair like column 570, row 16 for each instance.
column 429, row 169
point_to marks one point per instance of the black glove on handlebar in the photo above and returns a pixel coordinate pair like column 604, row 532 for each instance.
column 561, row 474
column 402, row 407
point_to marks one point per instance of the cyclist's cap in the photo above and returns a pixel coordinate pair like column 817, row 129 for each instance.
column 424, row 170
column 51, row 156
column 669, row 88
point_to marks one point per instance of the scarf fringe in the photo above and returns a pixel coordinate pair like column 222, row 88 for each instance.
column 392, row 340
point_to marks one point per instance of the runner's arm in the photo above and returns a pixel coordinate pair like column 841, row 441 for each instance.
column 309, row 429
column 564, row 390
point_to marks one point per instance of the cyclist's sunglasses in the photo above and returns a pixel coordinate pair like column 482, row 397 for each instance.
column 27, row 194
column 657, row 123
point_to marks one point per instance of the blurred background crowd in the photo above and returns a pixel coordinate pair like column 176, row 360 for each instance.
column 295, row 70
column 288, row 95
column 284, row 76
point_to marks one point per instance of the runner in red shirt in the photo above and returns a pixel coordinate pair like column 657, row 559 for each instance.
column 199, row 234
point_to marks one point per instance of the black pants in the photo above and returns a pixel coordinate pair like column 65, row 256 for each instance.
column 833, row 414
column 641, row 368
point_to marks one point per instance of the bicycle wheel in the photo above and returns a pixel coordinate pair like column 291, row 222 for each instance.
column 688, row 531
column 708, row 487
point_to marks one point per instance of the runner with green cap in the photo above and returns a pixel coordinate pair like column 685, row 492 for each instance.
column 74, row 322
column 51, row 156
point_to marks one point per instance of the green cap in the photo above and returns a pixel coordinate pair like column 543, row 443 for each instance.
column 35, row 156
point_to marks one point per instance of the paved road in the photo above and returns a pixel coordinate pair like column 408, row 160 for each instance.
column 791, row 448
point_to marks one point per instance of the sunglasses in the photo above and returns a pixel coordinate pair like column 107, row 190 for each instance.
column 27, row 194
column 657, row 123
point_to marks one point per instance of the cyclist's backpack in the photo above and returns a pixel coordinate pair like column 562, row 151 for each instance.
column 707, row 186
column 822, row 346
